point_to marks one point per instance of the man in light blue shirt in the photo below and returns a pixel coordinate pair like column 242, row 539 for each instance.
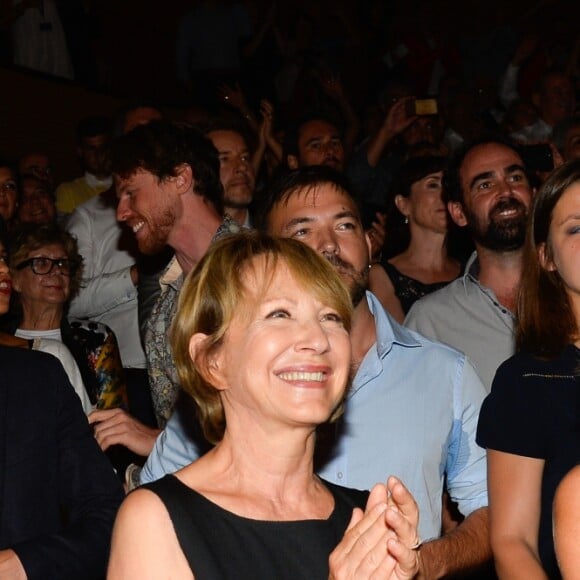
column 413, row 407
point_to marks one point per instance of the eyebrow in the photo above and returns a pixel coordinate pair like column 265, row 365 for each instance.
column 297, row 222
column 514, row 168
column 569, row 218
column 321, row 137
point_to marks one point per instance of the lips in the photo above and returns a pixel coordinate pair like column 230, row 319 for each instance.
column 508, row 208
column 332, row 162
column 303, row 376
column 5, row 286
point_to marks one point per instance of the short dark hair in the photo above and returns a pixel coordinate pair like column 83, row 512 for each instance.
column 303, row 178
column 93, row 126
column 221, row 124
column 292, row 134
column 412, row 170
column 546, row 321
column 452, row 186
column 3, row 234
column 120, row 116
column 161, row 146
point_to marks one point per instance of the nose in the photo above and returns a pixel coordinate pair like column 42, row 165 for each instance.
column 330, row 148
column 243, row 165
column 123, row 210
column 4, row 265
column 312, row 336
column 327, row 243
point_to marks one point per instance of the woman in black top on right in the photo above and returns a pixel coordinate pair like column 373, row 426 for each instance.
column 529, row 422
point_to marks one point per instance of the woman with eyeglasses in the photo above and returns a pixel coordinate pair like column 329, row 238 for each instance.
column 46, row 272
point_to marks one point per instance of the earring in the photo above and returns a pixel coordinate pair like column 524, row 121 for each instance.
column 406, row 219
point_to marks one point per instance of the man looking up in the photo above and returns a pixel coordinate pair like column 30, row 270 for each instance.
column 489, row 193
column 393, row 397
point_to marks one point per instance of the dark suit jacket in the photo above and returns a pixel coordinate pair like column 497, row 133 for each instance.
column 58, row 492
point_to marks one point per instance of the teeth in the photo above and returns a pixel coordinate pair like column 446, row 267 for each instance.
column 138, row 226
column 302, row 376
column 4, row 285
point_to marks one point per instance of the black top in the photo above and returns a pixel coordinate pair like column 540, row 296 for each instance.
column 408, row 290
column 220, row 545
column 533, row 411
column 58, row 493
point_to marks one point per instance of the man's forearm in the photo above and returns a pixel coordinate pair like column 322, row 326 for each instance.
column 464, row 548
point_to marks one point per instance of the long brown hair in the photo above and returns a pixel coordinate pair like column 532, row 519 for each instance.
column 546, row 320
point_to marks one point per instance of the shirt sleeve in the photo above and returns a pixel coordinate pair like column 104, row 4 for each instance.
column 466, row 462
column 514, row 416
column 60, row 351
column 178, row 445
column 99, row 292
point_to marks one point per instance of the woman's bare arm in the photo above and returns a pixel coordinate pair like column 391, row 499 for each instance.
column 514, row 488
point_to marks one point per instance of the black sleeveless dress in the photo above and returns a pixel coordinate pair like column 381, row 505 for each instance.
column 220, row 545
column 408, row 290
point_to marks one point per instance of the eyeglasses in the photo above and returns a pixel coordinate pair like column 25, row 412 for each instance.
column 43, row 266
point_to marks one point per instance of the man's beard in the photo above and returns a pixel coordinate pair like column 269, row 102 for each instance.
column 500, row 234
column 158, row 234
column 356, row 282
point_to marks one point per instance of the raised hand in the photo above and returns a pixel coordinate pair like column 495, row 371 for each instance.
column 380, row 542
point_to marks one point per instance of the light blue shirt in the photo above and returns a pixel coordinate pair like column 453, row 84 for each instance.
column 412, row 412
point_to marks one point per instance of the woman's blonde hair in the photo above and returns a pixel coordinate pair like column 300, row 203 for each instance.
column 214, row 291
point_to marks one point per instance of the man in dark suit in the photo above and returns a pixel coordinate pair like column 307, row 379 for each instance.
column 58, row 493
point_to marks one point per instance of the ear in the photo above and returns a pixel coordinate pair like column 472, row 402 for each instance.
column 544, row 257
column 369, row 247
column 402, row 204
column 292, row 161
column 209, row 366
column 457, row 214
column 183, row 178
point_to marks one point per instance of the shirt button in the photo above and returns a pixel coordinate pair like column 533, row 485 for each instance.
column 339, row 475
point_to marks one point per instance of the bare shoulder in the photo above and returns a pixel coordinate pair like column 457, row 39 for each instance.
column 568, row 492
column 144, row 543
column 381, row 286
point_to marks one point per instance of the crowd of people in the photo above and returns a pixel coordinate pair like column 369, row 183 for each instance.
column 322, row 341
